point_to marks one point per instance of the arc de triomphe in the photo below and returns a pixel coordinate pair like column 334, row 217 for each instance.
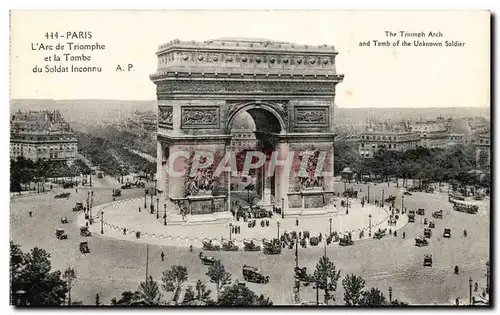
column 288, row 89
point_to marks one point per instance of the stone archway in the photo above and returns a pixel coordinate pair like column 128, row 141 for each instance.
column 288, row 89
column 268, row 126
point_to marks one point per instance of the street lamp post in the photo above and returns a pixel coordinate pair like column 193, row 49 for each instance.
column 230, row 231
column 151, row 204
column 278, row 224
column 157, row 208
column 296, row 253
column 145, row 195
column 370, row 225
column 402, row 204
column 470, row 291
column 390, row 294
column 165, row 214
column 282, row 208
column 382, row 201
column 330, row 225
column 368, row 193
column 102, row 222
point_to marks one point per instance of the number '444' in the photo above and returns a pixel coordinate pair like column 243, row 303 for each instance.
column 52, row 35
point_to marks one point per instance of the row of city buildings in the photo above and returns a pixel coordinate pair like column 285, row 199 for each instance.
column 437, row 133
column 42, row 135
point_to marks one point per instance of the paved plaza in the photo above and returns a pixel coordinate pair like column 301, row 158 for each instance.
column 117, row 265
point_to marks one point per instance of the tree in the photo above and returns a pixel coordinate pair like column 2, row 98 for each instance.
column 149, row 291
column 397, row 302
column 69, row 275
column 173, row 279
column 326, row 277
column 374, row 297
column 126, row 299
column 31, row 273
column 218, row 275
column 202, row 294
column 483, row 159
column 238, row 294
column 353, row 289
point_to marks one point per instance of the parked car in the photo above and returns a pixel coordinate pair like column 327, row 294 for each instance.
column 252, row 274
column 428, row 260
column 61, row 235
column 447, row 233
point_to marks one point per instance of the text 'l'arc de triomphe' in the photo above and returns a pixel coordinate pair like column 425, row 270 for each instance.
column 288, row 89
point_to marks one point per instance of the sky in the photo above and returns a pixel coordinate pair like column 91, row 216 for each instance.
column 374, row 76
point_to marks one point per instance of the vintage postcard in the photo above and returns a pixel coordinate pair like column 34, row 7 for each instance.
column 250, row 158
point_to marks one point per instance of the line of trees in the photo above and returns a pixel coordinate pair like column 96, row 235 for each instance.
column 173, row 280
column 422, row 164
column 25, row 171
column 101, row 151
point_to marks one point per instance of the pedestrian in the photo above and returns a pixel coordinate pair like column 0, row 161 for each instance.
column 31, row 214
column 139, row 209
column 297, row 221
column 404, row 235
column 162, row 256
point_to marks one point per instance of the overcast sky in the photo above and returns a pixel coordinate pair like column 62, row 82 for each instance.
column 374, row 76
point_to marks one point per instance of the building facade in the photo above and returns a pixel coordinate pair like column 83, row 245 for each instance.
column 42, row 135
column 371, row 142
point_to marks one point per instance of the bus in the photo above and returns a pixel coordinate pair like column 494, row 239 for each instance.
column 464, row 206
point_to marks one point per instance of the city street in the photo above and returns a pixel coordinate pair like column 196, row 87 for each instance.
column 114, row 266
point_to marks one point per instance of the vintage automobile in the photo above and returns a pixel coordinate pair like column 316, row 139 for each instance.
column 421, row 241
column 427, row 233
column 117, row 193
column 272, row 247
column 68, row 185
column 438, row 214
column 140, row 184
column 84, row 247
column 252, row 274
column 428, row 260
column 407, row 193
column 346, row 241
column 251, row 247
column 334, row 237
column 380, row 233
column 421, row 211
column 78, row 206
column 466, row 207
column 62, row 195
column 301, row 275
column 431, row 224
column 411, row 217
column 64, row 220
column 84, row 231
column 99, row 175
column 128, row 185
column 206, row 260
column 229, row 246
column 391, row 198
column 351, row 193
column 61, row 235
column 314, row 241
column 447, row 233
column 207, row 245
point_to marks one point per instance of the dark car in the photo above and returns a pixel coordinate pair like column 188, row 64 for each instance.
column 447, row 233
column 428, row 260
column 252, row 274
